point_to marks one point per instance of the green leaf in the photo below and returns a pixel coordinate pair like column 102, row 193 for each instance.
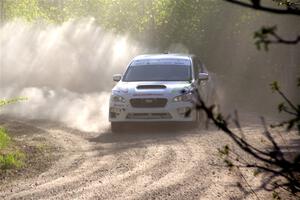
column 281, row 107
column 228, row 163
column 224, row 151
column 274, row 86
column 4, row 102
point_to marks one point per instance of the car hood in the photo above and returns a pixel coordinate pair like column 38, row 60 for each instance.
column 151, row 89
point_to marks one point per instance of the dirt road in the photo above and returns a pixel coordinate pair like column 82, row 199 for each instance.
column 159, row 163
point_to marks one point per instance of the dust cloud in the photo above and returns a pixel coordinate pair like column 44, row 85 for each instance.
column 64, row 70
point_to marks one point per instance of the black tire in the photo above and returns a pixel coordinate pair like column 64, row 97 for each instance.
column 215, row 101
column 197, row 122
column 201, row 119
column 116, row 127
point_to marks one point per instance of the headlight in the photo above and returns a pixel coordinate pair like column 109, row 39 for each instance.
column 184, row 97
column 119, row 99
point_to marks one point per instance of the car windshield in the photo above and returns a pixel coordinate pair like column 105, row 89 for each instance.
column 158, row 72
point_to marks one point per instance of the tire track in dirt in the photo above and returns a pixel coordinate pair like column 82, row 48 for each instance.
column 130, row 165
column 73, row 153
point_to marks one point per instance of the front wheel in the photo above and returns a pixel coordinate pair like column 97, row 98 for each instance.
column 201, row 119
column 115, row 127
column 198, row 119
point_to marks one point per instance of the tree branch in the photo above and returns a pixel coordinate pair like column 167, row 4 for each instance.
column 257, row 6
column 284, row 41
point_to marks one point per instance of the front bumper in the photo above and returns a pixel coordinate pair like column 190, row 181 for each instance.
column 173, row 111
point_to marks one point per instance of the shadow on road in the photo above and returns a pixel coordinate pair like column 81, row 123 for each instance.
column 143, row 135
column 148, row 131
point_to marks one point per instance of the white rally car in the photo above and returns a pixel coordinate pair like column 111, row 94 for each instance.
column 156, row 88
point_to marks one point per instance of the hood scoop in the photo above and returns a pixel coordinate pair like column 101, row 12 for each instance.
column 150, row 87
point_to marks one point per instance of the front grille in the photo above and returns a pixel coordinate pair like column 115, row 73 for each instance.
column 149, row 116
column 149, row 103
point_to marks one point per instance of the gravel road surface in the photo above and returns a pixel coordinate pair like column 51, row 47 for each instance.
column 146, row 162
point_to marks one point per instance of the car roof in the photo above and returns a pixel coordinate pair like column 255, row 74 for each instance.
column 163, row 56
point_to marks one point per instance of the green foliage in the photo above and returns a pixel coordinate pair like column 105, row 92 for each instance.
column 224, row 151
column 274, row 86
column 286, row 3
column 281, row 107
column 159, row 21
column 262, row 37
column 228, row 163
column 12, row 160
column 27, row 9
column 4, row 102
column 289, row 108
column 9, row 158
column 4, row 138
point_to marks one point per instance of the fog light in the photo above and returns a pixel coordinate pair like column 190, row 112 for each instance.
column 115, row 110
column 112, row 115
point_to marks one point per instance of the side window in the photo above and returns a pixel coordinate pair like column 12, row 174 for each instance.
column 204, row 69
column 197, row 67
column 201, row 66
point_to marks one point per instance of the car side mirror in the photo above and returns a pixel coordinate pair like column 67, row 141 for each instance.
column 203, row 76
column 117, row 77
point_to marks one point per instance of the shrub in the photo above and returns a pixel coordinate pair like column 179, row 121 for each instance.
column 4, row 138
column 12, row 160
column 9, row 158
